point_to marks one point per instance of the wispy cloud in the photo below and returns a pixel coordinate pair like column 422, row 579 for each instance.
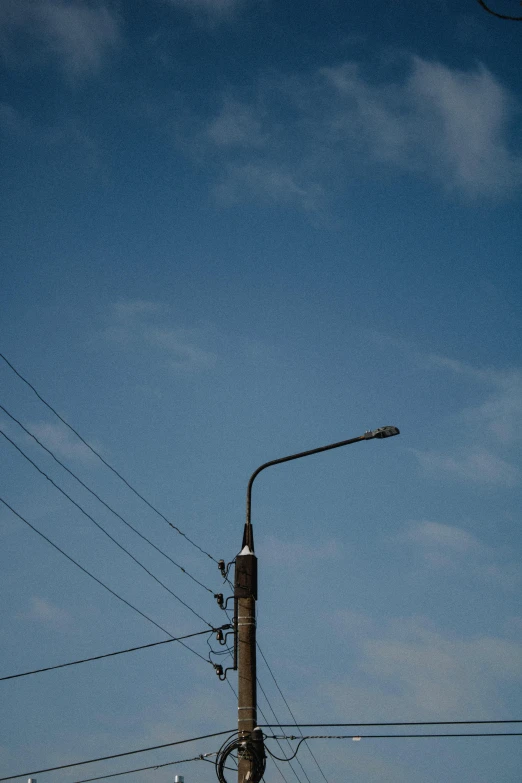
column 443, row 122
column 143, row 326
column 415, row 669
column 236, row 125
column 213, row 7
column 458, row 551
column 450, row 126
column 269, row 183
column 62, row 442
column 473, row 463
column 46, row 613
column 79, row 36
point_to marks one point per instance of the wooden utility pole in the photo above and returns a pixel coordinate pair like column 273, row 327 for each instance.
column 251, row 751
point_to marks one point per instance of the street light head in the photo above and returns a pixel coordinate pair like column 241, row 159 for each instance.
column 382, row 432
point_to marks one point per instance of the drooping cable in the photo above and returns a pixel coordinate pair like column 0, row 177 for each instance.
column 94, row 494
column 85, row 571
column 280, row 746
column 359, row 737
column 113, row 756
column 105, row 532
column 97, row 454
column 499, row 16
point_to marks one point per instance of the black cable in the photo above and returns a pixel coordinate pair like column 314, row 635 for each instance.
column 499, row 16
column 98, row 580
column 290, row 711
column 382, row 736
column 135, row 491
column 201, row 757
column 125, row 522
column 395, row 723
column 280, row 747
column 105, row 532
column 113, row 756
column 107, row 655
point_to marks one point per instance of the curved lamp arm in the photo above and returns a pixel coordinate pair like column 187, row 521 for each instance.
column 381, row 432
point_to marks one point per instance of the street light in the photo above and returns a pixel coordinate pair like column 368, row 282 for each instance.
column 251, row 755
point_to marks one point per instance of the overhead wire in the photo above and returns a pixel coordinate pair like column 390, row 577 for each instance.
column 105, row 462
column 201, row 757
column 273, row 713
column 109, row 655
column 103, row 502
column 119, row 597
column 289, row 710
column 390, row 723
column 359, row 737
column 103, row 530
column 114, row 756
column 499, row 16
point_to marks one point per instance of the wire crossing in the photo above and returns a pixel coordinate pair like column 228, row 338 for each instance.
column 85, row 571
column 97, row 454
column 105, row 532
column 94, row 494
column 289, row 710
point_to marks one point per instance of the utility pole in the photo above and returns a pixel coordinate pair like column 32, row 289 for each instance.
column 249, row 744
column 251, row 755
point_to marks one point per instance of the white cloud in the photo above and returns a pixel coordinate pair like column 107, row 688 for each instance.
column 441, row 122
column 459, row 551
column 415, row 669
column 139, row 326
column 44, row 612
column 268, row 182
column 236, row 125
column 62, row 442
column 434, row 534
column 209, row 6
column 475, row 464
column 78, row 35
column 181, row 348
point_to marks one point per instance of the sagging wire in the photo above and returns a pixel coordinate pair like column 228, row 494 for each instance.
column 499, row 16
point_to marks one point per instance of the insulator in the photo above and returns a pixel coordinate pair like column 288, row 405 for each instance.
column 219, row 599
column 219, row 669
column 219, row 635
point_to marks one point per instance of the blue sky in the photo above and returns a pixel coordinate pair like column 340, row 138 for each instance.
column 233, row 230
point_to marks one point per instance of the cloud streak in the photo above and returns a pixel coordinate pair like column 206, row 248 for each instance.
column 78, row 36
column 439, row 123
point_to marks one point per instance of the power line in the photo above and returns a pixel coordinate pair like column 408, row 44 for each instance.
column 201, row 757
column 105, row 532
column 394, row 723
column 113, row 756
column 273, row 713
column 359, row 737
column 289, row 710
column 85, row 486
column 97, row 454
column 85, row 571
column 499, row 16
column 110, row 655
